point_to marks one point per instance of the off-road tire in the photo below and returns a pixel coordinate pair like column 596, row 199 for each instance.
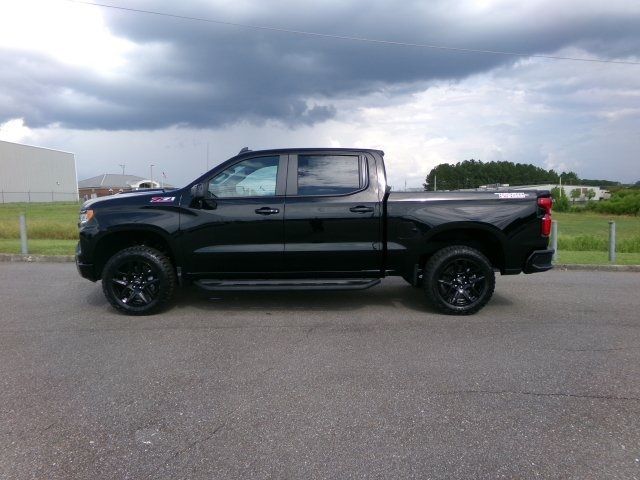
column 139, row 280
column 458, row 280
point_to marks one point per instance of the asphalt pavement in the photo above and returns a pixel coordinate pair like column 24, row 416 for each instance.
column 542, row 383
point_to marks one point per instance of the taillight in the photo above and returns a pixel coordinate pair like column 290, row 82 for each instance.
column 545, row 203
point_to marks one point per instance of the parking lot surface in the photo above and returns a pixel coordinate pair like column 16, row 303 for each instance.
column 544, row 382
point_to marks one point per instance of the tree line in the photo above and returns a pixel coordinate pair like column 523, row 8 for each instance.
column 474, row 173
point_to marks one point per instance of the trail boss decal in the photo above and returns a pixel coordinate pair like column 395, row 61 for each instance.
column 162, row 199
column 511, row 195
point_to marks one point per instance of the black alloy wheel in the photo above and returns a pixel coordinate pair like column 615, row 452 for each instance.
column 136, row 283
column 138, row 280
column 459, row 280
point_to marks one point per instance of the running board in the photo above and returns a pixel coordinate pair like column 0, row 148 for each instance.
column 275, row 285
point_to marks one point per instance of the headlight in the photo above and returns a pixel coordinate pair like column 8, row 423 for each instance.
column 85, row 216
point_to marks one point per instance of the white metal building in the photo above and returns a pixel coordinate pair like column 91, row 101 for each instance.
column 36, row 174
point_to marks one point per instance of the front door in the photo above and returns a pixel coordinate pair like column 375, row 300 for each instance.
column 238, row 231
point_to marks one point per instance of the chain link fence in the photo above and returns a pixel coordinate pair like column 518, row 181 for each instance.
column 38, row 197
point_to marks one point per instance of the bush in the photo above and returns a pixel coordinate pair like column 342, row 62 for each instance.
column 561, row 204
column 560, row 200
column 622, row 202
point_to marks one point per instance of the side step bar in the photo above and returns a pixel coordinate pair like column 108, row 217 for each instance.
column 276, row 285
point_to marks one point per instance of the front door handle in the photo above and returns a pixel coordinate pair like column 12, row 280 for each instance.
column 267, row 211
column 361, row 209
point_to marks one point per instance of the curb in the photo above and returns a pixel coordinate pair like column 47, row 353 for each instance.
column 15, row 257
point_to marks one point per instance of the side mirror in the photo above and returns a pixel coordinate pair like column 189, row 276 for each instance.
column 198, row 191
column 201, row 198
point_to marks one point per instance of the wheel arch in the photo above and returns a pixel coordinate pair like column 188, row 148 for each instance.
column 485, row 238
column 128, row 236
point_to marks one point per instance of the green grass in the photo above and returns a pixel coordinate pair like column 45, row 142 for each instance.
column 596, row 258
column 590, row 232
column 40, row 247
column 574, row 224
column 56, row 221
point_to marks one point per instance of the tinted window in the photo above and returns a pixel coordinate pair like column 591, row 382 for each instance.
column 250, row 178
column 328, row 174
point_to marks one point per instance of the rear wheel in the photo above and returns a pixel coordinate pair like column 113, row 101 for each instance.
column 138, row 280
column 458, row 280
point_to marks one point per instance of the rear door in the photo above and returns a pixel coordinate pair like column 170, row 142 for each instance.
column 332, row 215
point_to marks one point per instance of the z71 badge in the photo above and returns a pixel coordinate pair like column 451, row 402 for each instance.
column 162, row 199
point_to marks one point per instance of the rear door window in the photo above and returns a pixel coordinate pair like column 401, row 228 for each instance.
column 329, row 174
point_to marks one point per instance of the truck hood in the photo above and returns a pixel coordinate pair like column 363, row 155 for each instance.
column 127, row 197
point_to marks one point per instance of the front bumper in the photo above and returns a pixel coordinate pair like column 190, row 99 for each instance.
column 539, row 261
column 84, row 269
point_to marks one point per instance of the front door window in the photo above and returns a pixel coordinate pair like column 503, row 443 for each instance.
column 255, row 177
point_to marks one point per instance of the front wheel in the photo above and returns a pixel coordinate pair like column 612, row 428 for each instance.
column 138, row 280
column 458, row 280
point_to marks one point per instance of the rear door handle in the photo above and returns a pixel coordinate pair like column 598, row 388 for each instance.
column 267, row 211
column 361, row 209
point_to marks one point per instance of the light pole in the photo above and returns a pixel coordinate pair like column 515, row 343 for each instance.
column 151, row 173
column 122, row 165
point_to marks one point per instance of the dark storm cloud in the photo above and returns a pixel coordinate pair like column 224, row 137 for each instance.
column 201, row 74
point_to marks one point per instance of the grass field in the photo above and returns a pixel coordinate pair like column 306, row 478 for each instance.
column 590, row 232
column 40, row 246
column 582, row 237
column 596, row 258
column 55, row 221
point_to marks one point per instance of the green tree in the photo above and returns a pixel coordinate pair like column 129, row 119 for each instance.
column 575, row 194
column 590, row 194
column 474, row 173
column 570, row 178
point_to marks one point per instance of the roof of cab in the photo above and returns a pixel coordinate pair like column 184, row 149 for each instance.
column 244, row 153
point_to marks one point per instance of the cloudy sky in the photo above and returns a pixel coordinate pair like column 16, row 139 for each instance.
column 123, row 87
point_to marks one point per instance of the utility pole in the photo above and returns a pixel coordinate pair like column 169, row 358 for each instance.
column 122, row 165
column 561, row 190
column 151, row 173
column 435, row 183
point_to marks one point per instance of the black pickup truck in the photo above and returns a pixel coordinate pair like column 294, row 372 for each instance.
column 309, row 219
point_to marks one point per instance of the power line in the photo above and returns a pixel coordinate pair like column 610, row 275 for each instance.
column 354, row 39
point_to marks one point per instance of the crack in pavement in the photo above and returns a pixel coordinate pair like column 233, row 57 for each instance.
column 589, row 349
column 212, row 433
column 199, row 440
column 535, row 394
column 208, row 436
